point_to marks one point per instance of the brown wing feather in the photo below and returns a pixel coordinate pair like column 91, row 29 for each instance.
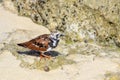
column 39, row 43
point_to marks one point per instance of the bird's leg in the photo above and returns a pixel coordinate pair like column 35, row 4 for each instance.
column 42, row 55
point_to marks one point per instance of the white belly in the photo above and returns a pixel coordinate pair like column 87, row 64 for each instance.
column 49, row 49
column 54, row 43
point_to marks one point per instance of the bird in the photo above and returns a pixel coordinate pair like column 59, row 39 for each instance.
column 43, row 43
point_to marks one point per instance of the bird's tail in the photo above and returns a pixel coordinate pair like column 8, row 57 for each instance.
column 22, row 44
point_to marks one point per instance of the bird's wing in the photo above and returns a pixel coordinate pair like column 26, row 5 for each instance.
column 39, row 43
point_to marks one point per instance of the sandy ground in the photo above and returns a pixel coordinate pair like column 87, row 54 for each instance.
column 85, row 69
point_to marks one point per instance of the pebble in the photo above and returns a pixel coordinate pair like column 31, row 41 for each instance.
column 46, row 68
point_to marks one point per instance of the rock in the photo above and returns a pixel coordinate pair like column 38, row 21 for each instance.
column 109, row 8
column 75, row 64
column 20, row 35
column 78, row 21
column 46, row 68
column 3, row 37
column 6, row 58
column 9, row 5
column 1, row 47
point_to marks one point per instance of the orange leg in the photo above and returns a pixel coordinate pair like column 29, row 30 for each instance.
column 42, row 55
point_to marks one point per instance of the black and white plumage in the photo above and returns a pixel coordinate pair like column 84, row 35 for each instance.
column 43, row 43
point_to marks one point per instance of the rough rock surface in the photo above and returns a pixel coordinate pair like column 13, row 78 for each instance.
column 21, row 31
column 9, row 5
column 78, row 61
column 109, row 8
column 78, row 19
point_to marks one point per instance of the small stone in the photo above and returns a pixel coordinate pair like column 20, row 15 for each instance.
column 85, row 41
column 46, row 68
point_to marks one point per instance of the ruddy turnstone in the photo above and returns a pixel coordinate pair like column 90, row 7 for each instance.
column 43, row 43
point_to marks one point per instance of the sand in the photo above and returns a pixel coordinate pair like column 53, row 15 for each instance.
column 85, row 69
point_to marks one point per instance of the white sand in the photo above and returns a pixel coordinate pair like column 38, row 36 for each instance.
column 85, row 69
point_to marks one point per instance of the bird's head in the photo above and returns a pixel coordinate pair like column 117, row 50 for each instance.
column 56, row 35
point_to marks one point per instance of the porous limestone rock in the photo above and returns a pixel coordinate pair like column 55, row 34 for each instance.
column 109, row 8
column 9, row 5
column 76, row 18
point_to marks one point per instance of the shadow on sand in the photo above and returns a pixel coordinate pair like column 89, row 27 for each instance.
column 37, row 54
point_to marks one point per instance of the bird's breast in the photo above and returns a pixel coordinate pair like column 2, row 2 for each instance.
column 53, row 43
